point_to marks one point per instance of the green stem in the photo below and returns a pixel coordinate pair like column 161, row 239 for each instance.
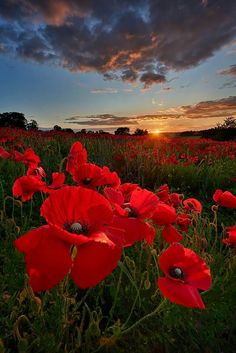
column 61, row 164
column 116, row 296
column 144, row 318
column 134, row 304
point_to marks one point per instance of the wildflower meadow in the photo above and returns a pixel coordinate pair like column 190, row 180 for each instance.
column 116, row 243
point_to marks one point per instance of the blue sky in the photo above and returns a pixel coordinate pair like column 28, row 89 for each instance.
column 53, row 90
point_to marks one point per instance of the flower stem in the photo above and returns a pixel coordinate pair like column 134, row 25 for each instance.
column 144, row 318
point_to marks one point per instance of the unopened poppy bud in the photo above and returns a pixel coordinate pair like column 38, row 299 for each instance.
column 154, row 252
column 214, row 208
column 147, row 284
column 130, row 263
column 204, row 243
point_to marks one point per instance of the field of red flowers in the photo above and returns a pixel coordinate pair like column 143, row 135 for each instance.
column 114, row 244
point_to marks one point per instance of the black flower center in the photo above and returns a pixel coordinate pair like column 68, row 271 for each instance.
column 87, row 181
column 131, row 212
column 76, row 228
column 176, row 272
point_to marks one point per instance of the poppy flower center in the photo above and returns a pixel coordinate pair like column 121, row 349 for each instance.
column 176, row 272
column 76, row 228
column 87, row 181
column 131, row 212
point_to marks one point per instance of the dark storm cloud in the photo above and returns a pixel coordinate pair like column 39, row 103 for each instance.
column 189, row 31
column 8, row 36
column 129, row 75
column 121, row 39
column 33, row 47
column 149, row 78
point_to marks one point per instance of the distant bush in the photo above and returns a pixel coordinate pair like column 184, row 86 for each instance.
column 220, row 134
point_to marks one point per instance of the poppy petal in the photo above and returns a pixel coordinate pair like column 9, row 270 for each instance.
column 47, row 258
column 94, row 262
column 164, row 214
column 26, row 186
column 76, row 204
column 180, row 293
column 114, row 196
column 144, row 202
column 170, row 234
column 135, row 230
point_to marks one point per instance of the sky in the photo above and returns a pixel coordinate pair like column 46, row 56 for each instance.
column 98, row 64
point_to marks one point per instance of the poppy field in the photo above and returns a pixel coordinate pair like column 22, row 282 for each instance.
column 116, row 243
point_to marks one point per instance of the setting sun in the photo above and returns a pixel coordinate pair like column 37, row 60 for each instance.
column 156, row 132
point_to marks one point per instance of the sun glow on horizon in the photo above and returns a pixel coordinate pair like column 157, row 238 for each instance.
column 156, row 132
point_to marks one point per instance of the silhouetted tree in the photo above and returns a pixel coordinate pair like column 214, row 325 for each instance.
column 32, row 125
column 67, row 129
column 13, row 119
column 140, row 132
column 57, row 128
column 122, row 131
column 102, row 132
column 83, row 131
column 222, row 132
column 229, row 123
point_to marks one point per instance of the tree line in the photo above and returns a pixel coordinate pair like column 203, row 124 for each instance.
column 221, row 132
column 224, row 132
column 18, row 120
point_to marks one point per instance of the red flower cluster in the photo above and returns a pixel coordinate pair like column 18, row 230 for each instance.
column 86, row 231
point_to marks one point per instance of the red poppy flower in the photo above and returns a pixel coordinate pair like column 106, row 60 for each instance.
column 36, row 171
column 192, row 205
column 225, row 199
column 183, row 221
column 176, row 199
column 109, row 178
column 163, row 193
column 88, row 175
column 26, row 186
column 231, row 234
column 164, row 214
column 78, row 220
column 28, row 158
column 3, row 153
column 185, row 273
column 76, row 157
column 126, row 190
column 141, row 205
column 130, row 215
column 58, row 180
column 3, row 139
